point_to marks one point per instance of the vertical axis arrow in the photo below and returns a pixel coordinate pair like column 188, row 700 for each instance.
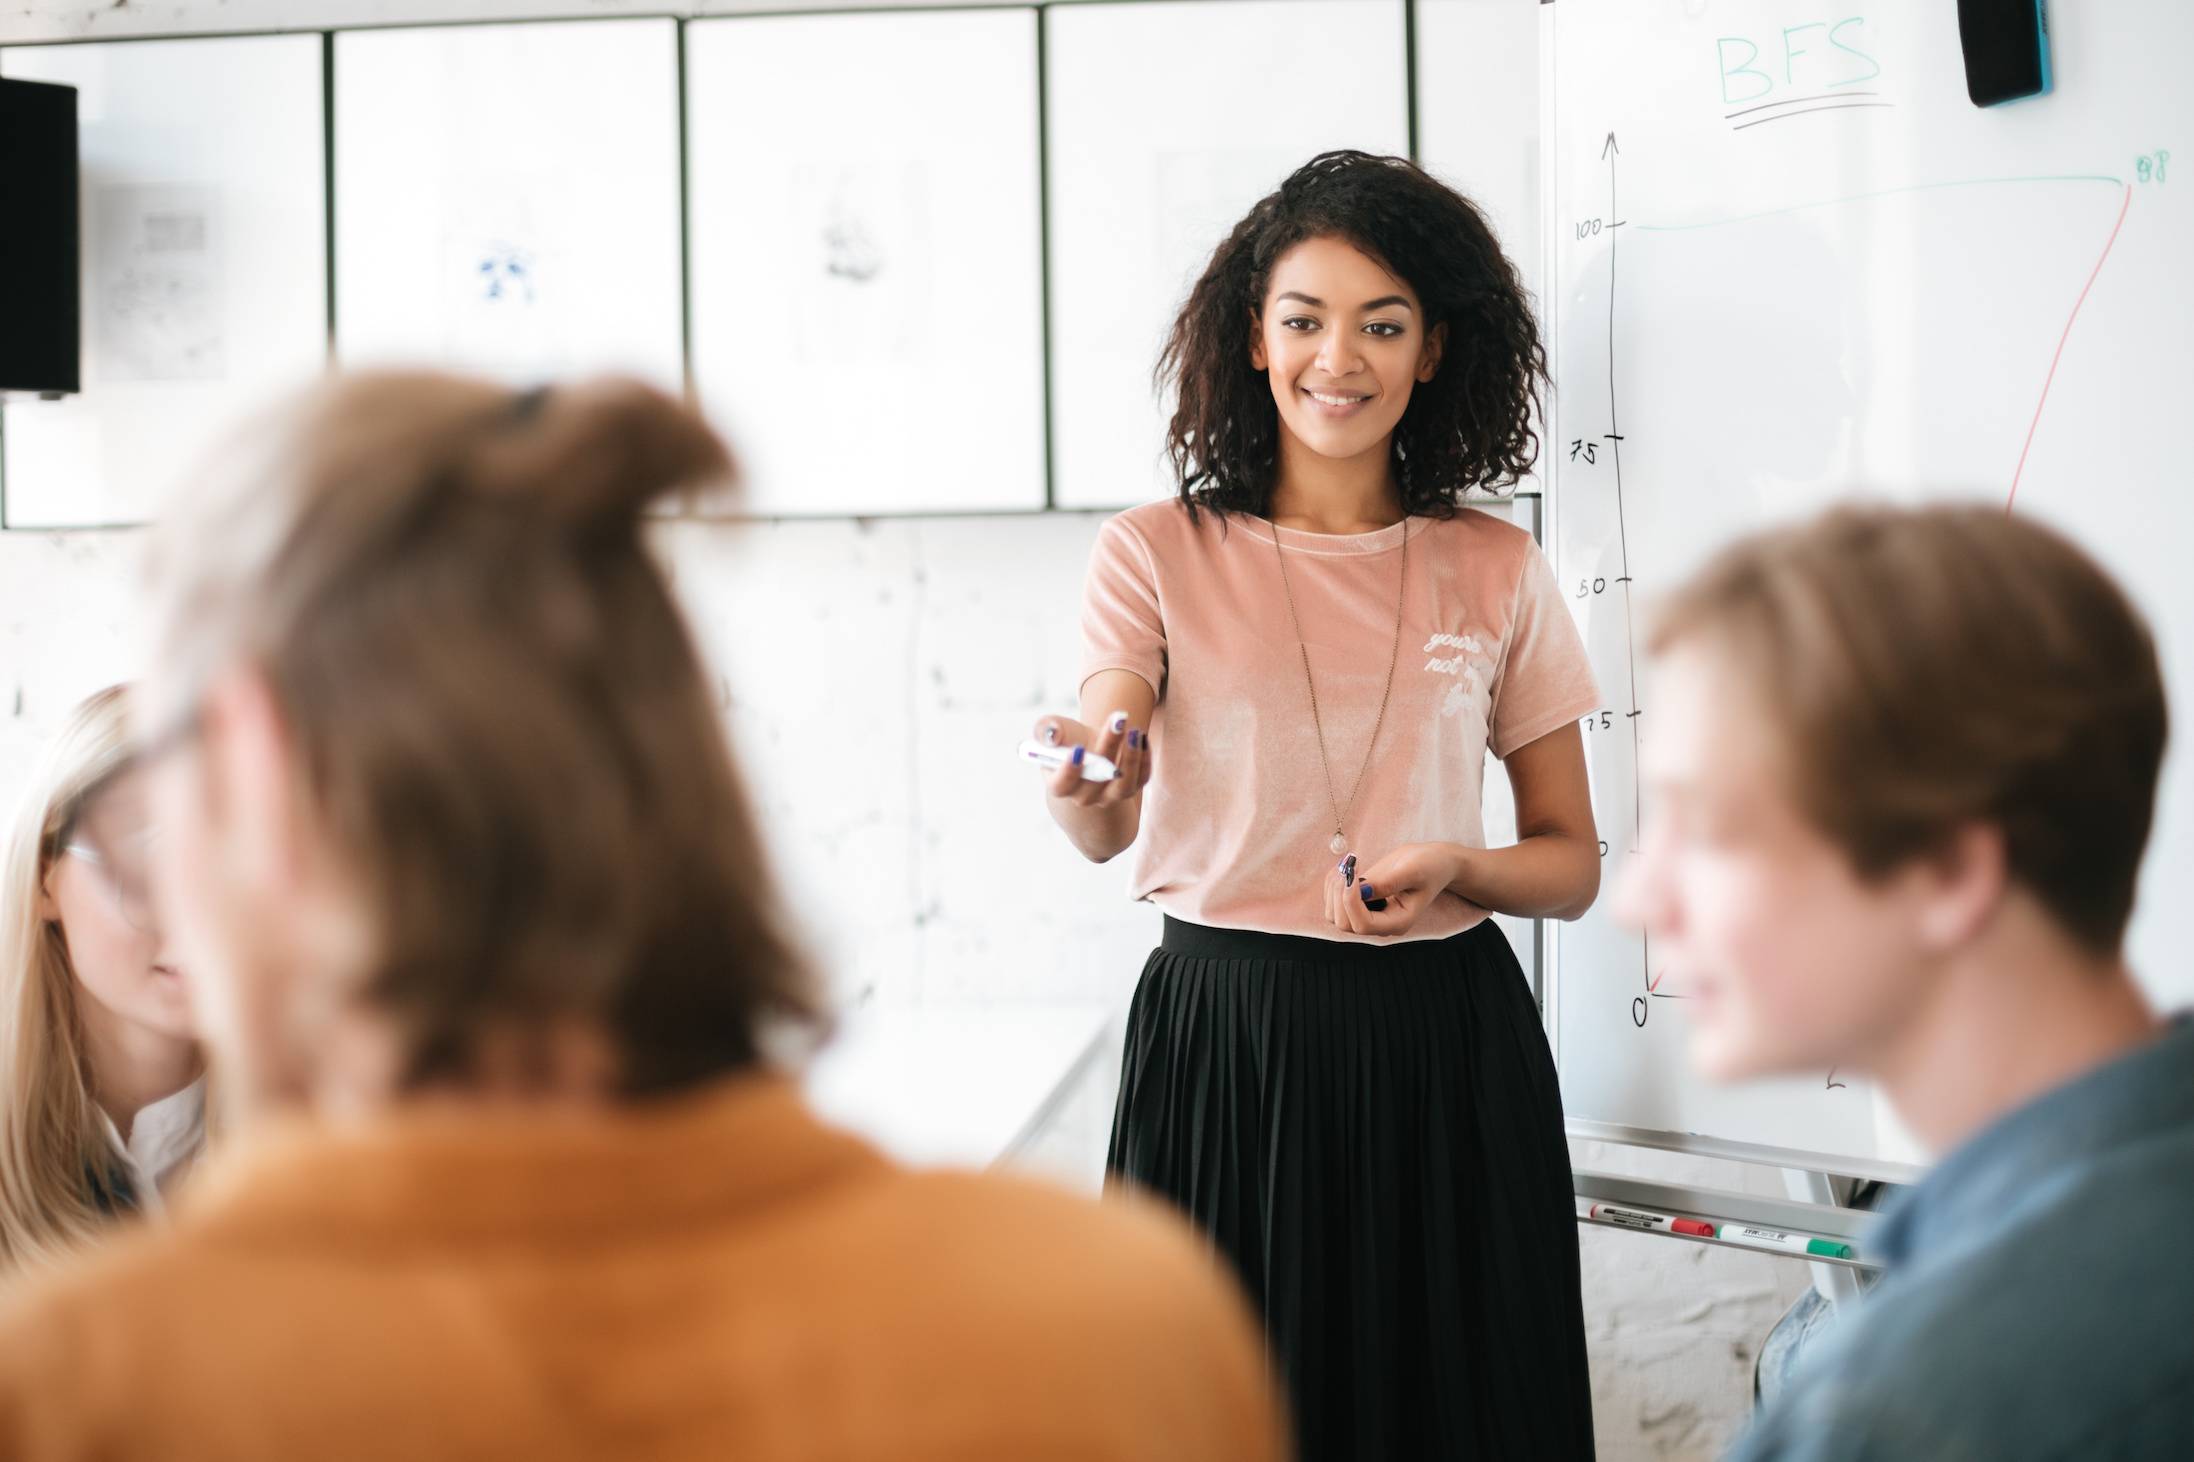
column 1610, row 150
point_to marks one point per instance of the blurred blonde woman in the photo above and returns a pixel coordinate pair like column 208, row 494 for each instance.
column 101, row 1077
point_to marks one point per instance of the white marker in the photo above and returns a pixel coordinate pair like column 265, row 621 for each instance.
column 1094, row 767
column 1770, row 1238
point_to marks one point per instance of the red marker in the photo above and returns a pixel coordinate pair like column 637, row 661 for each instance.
column 1653, row 1222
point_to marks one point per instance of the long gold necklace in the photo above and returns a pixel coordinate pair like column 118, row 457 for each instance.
column 1325, row 762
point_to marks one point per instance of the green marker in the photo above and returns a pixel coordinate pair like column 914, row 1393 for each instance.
column 1768, row 1238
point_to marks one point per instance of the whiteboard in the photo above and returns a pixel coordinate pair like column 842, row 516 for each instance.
column 1228, row 97
column 1807, row 268
column 868, row 258
column 506, row 199
column 1478, row 119
column 1478, row 115
column 204, row 265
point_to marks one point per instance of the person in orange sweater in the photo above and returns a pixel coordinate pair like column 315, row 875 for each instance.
column 480, row 933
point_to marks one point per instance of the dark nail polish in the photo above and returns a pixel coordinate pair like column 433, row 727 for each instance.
column 1376, row 905
column 1135, row 737
column 1078, row 755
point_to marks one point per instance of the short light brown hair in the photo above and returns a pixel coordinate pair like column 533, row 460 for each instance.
column 501, row 714
column 1930, row 668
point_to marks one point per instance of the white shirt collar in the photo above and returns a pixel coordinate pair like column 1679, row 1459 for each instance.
column 163, row 1137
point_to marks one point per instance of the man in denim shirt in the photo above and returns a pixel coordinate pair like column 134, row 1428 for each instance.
column 2039, row 1290
column 1902, row 773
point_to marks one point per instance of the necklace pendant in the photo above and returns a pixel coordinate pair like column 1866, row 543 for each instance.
column 1339, row 845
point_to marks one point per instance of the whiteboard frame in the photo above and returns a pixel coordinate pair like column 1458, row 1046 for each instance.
column 1617, row 1132
column 109, row 507
column 560, row 12
column 1585, row 1130
column 649, row 338
column 1097, row 165
column 1550, row 503
column 798, row 459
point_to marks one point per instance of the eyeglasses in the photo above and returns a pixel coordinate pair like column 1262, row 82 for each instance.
column 126, row 878
column 124, row 859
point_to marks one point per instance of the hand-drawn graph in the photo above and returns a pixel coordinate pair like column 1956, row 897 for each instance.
column 1610, row 445
column 1780, row 296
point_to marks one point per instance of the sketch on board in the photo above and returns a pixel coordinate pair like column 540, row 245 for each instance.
column 158, row 303
column 869, row 224
column 506, row 273
column 497, row 287
column 851, row 250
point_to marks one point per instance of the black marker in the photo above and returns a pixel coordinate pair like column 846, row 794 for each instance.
column 1348, row 880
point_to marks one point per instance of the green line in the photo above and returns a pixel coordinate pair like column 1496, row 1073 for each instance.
column 1670, row 228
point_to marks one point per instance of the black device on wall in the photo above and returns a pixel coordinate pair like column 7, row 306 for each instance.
column 41, row 337
column 2006, row 46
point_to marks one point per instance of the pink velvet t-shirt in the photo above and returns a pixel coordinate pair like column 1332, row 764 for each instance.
column 1236, row 821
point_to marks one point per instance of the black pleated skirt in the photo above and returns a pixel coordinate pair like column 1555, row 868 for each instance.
column 1372, row 1134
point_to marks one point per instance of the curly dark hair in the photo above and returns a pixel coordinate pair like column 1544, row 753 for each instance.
column 1469, row 427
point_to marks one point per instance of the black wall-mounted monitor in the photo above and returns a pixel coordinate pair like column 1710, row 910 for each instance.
column 41, row 337
column 2006, row 49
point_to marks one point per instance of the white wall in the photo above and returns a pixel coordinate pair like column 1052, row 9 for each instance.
column 877, row 676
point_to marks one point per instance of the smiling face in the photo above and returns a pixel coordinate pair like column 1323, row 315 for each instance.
column 96, row 891
column 1343, row 343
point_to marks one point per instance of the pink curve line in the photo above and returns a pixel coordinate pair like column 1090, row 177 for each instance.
column 2050, row 379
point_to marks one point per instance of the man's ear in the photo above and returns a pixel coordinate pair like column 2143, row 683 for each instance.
column 252, row 769
column 1962, row 885
column 1428, row 359
column 1257, row 359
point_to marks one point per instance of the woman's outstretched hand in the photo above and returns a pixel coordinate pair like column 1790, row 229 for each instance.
column 1125, row 745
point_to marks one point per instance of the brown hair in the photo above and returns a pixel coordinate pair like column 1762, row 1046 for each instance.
column 499, row 709
column 1930, row 668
